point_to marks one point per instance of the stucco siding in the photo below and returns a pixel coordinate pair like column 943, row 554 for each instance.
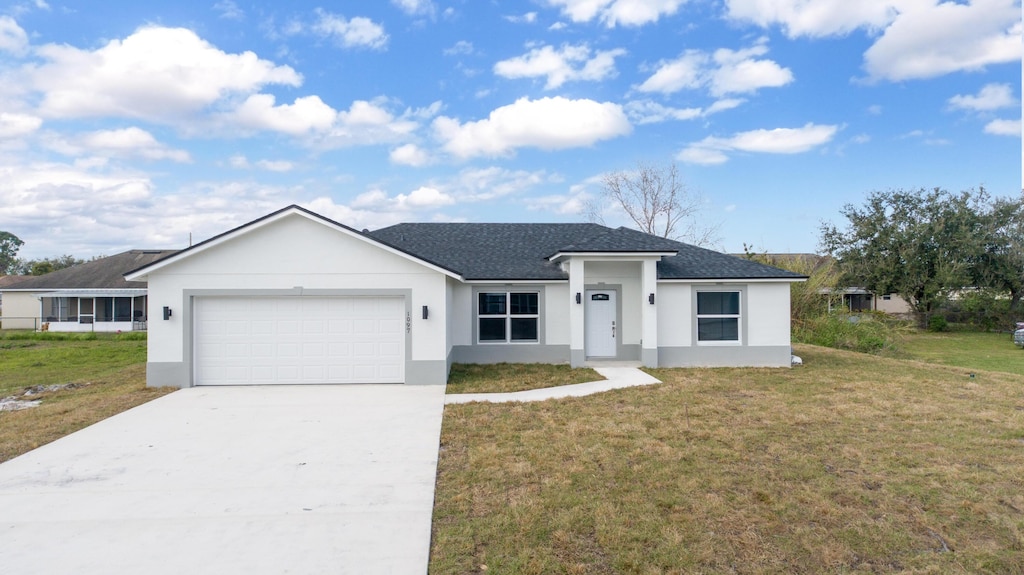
column 768, row 314
column 675, row 315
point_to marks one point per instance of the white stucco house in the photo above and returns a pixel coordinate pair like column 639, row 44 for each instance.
column 294, row 297
column 92, row 296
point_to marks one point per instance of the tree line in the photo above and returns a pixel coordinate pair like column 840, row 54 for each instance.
column 10, row 264
column 930, row 246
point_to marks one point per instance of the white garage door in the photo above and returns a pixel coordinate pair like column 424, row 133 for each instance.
column 312, row 340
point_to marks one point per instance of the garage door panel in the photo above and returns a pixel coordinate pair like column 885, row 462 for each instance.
column 299, row 340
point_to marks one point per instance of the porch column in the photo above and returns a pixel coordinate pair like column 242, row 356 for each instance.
column 577, row 285
column 649, row 316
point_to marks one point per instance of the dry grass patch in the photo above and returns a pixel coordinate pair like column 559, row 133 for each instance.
column 850, row 464
column 509, row 377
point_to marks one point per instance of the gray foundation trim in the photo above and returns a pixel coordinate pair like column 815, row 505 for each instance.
column 167, row 374
column 627, row 352
column 511, row 353
column 426, row 372
column 725, row 356
column 577, row 358
column 649, row 357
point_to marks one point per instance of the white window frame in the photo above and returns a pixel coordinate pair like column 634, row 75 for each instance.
column 737, row 316
column 508, row 316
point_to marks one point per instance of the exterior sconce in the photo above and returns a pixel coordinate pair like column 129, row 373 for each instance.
column 650, row 299
column 167, row 313
column 426, row 313
column 579, row 298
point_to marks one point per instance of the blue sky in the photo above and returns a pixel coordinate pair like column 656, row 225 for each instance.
column 135, row 124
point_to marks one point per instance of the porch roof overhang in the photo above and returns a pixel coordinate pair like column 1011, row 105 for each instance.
column 124, row 292
column 558, row 256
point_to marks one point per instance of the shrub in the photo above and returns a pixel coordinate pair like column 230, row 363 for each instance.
column 864, row 332
column 937, row 323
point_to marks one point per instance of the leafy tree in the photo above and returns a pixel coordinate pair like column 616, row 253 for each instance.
column 1000, row 263
column 9, row 246
column 919, row 244
column 808, row 298
column 657, row 201
column 47, row 265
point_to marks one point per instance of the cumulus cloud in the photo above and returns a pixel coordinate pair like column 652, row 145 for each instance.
column 305, row 115
column 100, row 145
column 928, row 40
column 157, row 74
column 18, row 125
column 568, row 63
column 357, row 32
column 651, row 112
column 528, row 18
column 617, row 12
column 409, row 155
column 814, row 18
column 714, row 150
column 722, row 72
column 422, row 198
column 416, row 7
column 990, row 97
column 371, row 122
column 482, row 184
column 13, row 39
column 547, row 123
column 1004, row 128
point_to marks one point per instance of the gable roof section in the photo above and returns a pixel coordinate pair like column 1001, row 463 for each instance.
column 695, row 263
column 104, row 273
column 142, row 271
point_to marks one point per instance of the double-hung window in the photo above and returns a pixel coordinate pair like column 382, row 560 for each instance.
column 718, row 316
column 509, row 316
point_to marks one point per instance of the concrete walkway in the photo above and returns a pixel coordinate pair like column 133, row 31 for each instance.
column 615, row 378
column 253, row 480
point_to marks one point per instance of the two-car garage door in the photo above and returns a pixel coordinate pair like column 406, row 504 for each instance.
column 303, row 340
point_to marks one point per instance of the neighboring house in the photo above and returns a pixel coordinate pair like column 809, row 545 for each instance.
column 4, row 282
column 294, row 297
column 92, row 296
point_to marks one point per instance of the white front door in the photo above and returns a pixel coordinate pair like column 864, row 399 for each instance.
column 599, row 312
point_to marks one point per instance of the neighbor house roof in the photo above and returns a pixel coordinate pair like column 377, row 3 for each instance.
column 522, row 251
column 103, row 273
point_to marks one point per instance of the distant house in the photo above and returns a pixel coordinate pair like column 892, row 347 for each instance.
column 93, row 296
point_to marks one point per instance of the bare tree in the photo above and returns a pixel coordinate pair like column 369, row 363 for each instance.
column 657, row 201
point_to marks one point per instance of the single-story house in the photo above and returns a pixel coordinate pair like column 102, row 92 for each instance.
column 294, row 297
column 93, row 296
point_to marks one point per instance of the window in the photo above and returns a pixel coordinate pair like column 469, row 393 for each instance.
column 508, row 316
column 718, row 316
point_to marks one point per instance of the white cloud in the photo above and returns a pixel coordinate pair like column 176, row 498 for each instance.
column 528, row 18
column 131, row 142
column 416, row 7
column 420, row 199
column 650, row 112
column 722, row 72
column 1004, row 128
column 571, row 204
column 306, row 115
column 13, row 39
column 241, row 162
column 814, row 18
column 570, row 63
column 18, row 125
column 158, row 74
column 990, row 97
column 617, row 12
column 714, row 150
column 482, row 184
column 928, row 39
column 409, row 155
column 358, row 32
column 229, row 10
column 370, row 122
column 547, row 123
column 460, row 47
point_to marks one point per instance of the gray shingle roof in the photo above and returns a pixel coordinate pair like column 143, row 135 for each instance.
column 521, row 251
column 104, row 273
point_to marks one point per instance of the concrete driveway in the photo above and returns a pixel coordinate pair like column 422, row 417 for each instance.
column 288, row 479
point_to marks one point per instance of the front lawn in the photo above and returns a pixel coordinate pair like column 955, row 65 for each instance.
column 849, row 464
column 509, row 377
column 991, row 351
column 93, row 378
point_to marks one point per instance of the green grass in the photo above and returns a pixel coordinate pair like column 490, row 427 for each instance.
column 109, row 372
column 971, row 350
column 850, row 464
column 508, row 377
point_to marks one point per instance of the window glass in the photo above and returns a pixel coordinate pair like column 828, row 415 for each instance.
column 524, row 329
column 718, row 303
column 492, row 304
column 492, row 329
column 523, row 303
column 718, row 329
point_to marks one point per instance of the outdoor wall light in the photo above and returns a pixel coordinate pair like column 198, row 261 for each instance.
column 579, row 298
column 167, row 312
column 650, row 299
column 426, row 313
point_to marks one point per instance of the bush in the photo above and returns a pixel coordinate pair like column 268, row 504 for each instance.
column 864, row 332
column 937, row 323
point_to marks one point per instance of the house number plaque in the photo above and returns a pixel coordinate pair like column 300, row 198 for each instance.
column 408, row 322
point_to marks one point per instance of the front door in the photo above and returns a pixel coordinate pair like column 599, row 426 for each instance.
column 600, row 321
